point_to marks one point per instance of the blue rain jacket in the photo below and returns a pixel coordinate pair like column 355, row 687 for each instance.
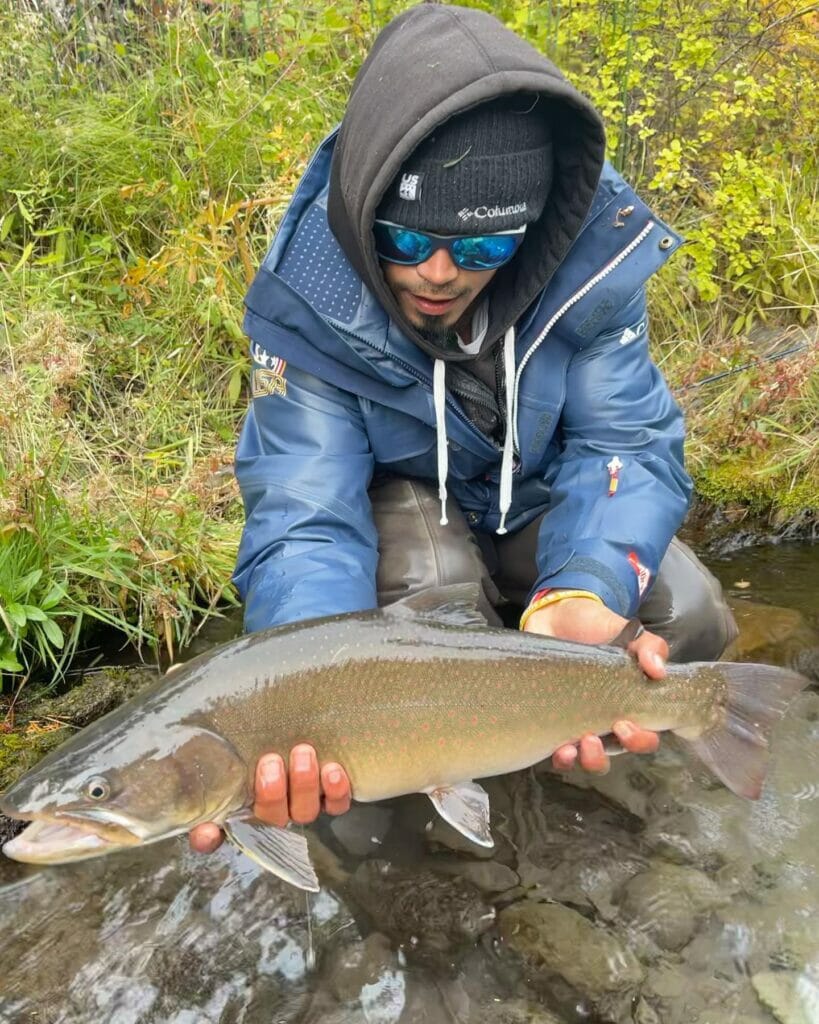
column 341, row 394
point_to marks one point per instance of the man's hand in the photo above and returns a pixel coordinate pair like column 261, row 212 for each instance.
column 588, row 622
column 278, row 801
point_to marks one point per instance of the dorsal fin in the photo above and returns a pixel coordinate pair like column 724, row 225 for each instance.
column 456, row 605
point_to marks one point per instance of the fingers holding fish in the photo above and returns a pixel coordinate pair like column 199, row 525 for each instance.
column 651, row 652
column 206, row 838
column 593, row 758
column 308, row 784
column 565, row 757
column 305, row 792
column 589, row 753
column 270, row 804
column 336, row 787
column 634, row 739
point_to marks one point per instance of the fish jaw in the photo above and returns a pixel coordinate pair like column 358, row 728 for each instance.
column 61, row 840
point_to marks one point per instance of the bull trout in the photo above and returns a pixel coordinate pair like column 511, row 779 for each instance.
column 420, row 696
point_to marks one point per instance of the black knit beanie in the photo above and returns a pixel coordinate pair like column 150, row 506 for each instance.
column 487, row 169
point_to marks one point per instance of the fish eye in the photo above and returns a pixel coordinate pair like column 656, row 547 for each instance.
column 97, row 788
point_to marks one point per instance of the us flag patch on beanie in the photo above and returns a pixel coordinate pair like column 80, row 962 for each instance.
column 409, row 186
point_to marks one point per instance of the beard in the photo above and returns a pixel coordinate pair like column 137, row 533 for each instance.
column 431, row 328
column 437, row 334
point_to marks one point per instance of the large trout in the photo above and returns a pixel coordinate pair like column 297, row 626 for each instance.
column 421, row 696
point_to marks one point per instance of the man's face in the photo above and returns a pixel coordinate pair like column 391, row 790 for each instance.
column 434, row 296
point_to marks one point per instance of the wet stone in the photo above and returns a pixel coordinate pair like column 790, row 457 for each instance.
column 775, row 636
column 644, row 1013
column 515, row 1012
column 351, row 967
column 807, row 662
column 666, row 902
column 666, row 983
column 793, row 998
column 362, row 828
column 488, row 875
column 419, row 908
column 591, row 960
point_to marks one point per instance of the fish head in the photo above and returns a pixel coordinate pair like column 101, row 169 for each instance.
column 140, row 790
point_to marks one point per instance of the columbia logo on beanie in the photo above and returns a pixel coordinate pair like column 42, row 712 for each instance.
column 490, row 212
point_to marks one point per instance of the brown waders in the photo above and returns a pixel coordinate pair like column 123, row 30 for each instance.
column 685, row 606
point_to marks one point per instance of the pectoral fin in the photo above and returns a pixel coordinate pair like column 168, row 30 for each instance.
column 278, row 850
column 466, row 808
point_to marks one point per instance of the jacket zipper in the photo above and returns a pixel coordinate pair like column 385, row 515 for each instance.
column 420, row 377
column 582, row 292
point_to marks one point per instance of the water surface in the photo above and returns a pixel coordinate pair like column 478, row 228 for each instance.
column 651, row 896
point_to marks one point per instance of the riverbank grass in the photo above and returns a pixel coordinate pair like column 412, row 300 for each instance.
column 148, row 155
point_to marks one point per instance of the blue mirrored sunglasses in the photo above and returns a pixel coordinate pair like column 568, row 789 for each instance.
column 398, row 244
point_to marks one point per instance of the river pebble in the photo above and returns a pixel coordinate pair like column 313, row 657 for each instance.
column 591, row 960
column 792, row 997
column 350, row 967
column 666, row 901
column 488, row 875
column 420, row 909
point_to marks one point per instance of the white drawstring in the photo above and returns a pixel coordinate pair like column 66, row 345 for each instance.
column 505, row 498
column 439, row 400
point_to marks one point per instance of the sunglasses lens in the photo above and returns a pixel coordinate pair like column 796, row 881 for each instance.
column 485, row 252
column 400, row 245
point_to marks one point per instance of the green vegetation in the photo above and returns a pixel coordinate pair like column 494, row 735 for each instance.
column 148, row 152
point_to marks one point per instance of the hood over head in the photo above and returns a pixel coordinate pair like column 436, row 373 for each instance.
column 428, row 65
column 487, row 169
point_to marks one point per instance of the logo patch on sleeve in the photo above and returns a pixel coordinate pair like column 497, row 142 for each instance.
column 643, row 575
column 630, row 334
column 269, row 381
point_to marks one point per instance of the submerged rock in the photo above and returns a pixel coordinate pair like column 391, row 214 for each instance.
column 791, row 997
column 775, row 636
column 666, row 901
column 515, row 1012
column 362, row 828
column 487, row 875
column 592, row 961
column 350, row 968
column 419, row 908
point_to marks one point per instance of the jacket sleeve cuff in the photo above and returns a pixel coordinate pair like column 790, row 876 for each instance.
column 584, row 573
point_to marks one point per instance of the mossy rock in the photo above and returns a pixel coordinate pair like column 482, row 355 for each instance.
column 42, row 724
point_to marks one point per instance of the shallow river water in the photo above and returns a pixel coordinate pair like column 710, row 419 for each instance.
column 651, row 895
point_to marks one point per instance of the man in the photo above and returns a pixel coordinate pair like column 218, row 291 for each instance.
column 451, row 378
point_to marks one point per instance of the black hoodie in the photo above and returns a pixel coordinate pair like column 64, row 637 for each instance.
column 429, row 64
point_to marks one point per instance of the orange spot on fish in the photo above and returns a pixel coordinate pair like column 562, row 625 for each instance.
column 425, row 726
column 474, row 719
column 441, row 742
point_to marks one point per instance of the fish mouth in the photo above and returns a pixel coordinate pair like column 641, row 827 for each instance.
column 62, row 839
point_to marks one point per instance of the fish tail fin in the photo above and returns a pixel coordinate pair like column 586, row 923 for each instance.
column 736, row 750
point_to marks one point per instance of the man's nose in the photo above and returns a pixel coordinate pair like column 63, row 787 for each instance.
column 439, row 269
